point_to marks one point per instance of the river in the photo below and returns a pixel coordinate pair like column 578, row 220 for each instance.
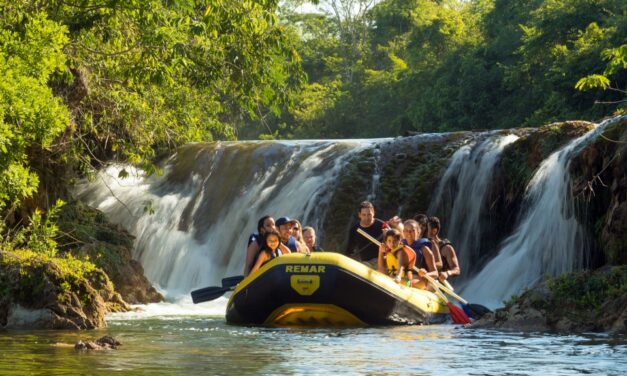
column 176, row 339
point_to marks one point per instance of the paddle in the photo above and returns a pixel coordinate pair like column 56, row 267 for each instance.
column 232, row 281
column 457, row 314
column 476, row 311
column 209, row 293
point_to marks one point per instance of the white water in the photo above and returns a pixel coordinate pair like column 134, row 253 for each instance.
column 201, row 223
column 548, row 239
column 463, row 188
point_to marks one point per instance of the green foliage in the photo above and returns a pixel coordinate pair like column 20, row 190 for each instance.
column 589, row 290
column 39, row 236
column 30, row 115
column 454, row 65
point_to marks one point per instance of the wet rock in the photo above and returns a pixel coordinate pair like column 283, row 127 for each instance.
column 103, row 343
column 576, row 302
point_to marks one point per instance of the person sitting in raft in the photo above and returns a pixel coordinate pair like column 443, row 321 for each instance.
column 395, row 259
column 423, row 220
column 256, row 241
column 297, row 233
column 358, row 246
column 285, row 225
column 272, row 248
column 450, row 265
column 425, row 261
column 309, row 235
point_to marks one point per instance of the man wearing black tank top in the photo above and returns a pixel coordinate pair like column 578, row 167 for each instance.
column 358, row 246
column 450, row 264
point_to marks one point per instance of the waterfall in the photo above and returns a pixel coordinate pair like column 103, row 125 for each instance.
column 461, row 192
column 548, row 240
column 209, row 200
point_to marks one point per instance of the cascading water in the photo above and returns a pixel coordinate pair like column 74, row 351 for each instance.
column 209, row 201
column 548, row 239
column 461, row 192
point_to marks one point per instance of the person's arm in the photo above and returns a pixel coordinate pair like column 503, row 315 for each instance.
column 430, row 261
column 437, row 256
column 381, row 267
column 401, row 266
column 251, row 253
column 449, row 252
column 263, row 256
column 412, row 263
column 284, row 249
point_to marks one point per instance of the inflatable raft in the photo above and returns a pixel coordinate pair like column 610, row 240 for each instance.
column 328, row 289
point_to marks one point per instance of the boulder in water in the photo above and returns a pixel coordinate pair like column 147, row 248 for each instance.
column 103, row 343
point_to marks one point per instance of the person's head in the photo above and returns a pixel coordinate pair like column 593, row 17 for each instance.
column 422, row 220
column 265, row 224
column 366, row 214
column 297, row 230
column 309, row 235
column 396, row 222
column 433, row 226
column 411, row 231
column 392, row 238
column 273, row 239
column 284, row 225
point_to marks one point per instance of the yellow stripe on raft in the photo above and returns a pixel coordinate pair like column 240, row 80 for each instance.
column 312, row 315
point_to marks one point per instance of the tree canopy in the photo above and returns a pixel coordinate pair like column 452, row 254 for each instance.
column 445, row 65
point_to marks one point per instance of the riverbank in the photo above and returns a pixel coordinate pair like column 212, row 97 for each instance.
column 73, row 283
column 588, row 301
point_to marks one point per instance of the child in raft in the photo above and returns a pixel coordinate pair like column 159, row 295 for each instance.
column 395, row 259
column 271, row 249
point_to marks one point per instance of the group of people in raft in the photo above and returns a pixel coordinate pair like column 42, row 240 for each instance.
column 409, row 249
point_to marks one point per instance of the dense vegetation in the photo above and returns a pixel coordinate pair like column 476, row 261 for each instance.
column 439, row 65
column 89, row 81
column 86, row 82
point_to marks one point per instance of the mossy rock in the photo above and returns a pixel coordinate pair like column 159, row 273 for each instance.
column 86, row 233
column 41, row 291
column 599, row 175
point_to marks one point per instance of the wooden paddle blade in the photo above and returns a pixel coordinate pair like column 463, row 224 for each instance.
column 457, row 314
column 476, row 311
column 208, row 293
column 232, row 281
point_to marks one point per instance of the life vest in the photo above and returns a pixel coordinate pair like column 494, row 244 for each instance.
column 291, row 244
column 392, row 262
column 420, row 258
column 273, row 255
column 256, row 238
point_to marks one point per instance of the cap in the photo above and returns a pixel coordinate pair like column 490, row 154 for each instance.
column 283, row 221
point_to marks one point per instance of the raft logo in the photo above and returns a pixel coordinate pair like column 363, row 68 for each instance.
column 305, row 284
column 304, row 268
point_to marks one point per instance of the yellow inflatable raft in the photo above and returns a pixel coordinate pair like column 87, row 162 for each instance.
column 328, row 289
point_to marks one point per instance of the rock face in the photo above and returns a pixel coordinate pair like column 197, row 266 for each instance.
column 47, row 292
column 109, row 247
column 600, row 184
column 576, row 302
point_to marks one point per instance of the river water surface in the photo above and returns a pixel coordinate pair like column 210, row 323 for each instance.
column 168, row 339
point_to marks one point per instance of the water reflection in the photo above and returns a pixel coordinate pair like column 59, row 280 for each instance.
column 206, row 345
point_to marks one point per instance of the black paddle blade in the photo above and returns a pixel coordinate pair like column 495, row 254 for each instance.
column 208, row 293
column 476, row 311
column 232, row 281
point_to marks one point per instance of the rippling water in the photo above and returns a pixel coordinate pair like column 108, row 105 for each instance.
column 166, row 343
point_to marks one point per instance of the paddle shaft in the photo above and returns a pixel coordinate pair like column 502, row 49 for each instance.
column 437, row 283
